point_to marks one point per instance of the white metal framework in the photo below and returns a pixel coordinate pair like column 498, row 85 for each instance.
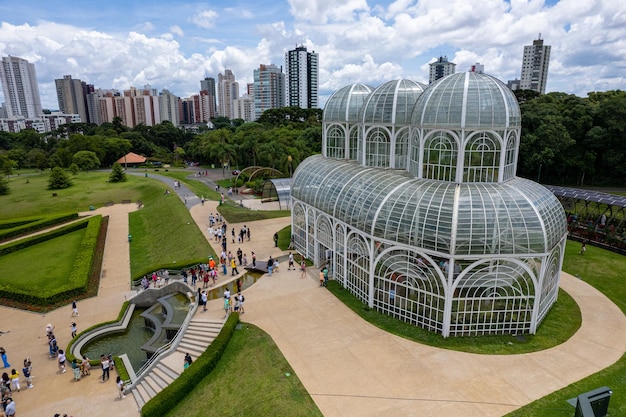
column 451, row 241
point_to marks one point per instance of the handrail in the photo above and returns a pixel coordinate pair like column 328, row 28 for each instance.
column 156, row 355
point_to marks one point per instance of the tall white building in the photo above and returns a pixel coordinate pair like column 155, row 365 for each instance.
column 535, row 64
column 20, row 88
column 302, row 75
column 243, row 108
column 169, row 108
column 440, row 68
column 269, row 88
column 227, row 91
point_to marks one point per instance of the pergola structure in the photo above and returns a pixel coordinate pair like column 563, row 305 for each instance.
column 417, row 211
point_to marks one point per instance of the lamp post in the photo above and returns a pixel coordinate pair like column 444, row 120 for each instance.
column 289, row 161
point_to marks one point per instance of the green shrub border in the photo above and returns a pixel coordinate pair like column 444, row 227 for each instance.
column 119, row 364
column 170, row 266
column 19, row 227
column 79, row 278
column 192, row 376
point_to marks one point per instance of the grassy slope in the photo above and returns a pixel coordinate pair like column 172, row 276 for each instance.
column 605, row 271
column 249, row 380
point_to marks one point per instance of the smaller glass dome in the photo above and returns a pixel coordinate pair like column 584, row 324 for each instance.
column 392, row 102
column 467, row 100
column 346, row 103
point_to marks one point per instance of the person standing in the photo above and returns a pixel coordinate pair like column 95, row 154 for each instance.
column 204, row 300
column 9, row 407
column 276, row 239
column 245, row 259
column 241, row 300
column 15, row 380
column 270, row 265
column 253, row 259
column 290, row 266
column 321, row 277
column 3, row 354
column 120, row 386
column 226, row 306
column 104, row 363
column 62, row 361
column 240, row 256
column 583, row 249
column 74, row 309
column 74, row 329
column 233, row 265
column 325, row 272
column 26, row 372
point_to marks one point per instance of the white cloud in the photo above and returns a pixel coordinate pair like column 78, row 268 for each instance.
column 204, row 18
column 176, row 30
column 322, row 11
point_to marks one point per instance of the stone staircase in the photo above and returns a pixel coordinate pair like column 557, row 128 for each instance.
column 198, row 336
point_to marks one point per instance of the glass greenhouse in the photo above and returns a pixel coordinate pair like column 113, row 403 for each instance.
column 427, row 222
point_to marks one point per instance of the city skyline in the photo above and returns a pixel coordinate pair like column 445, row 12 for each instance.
column 121, row 44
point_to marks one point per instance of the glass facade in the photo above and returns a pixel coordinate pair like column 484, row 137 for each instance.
column 450, row 240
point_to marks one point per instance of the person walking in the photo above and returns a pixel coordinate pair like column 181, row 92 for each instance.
column 303, row 269
column 276, row 239
column 62, row 361
column 583, row 249
column 241, row 300
column 15, row 380
column 233, row 265
column 3, row 354
column 74, row 309
column 74, row 329
column 26, row 372
column 204, row 300
column 290, row 266
column 253, row 260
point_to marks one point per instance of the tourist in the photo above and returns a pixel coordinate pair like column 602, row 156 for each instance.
column 303, row 269
column 204, row 300
column 240, row 256
column 241, row 300
column 270, row 265
column 74, row 329
column 74, row 309
column 104, row 364
column 76, row 369
column 276, row 239
column 62, row 361
column 9, row 407
column 325, row 271
column 120, row 386
column 233, row 266
column 226, row 306
column 583, row 249
column 321, row 277
column 245, row 259
column 26, row 371
column 3, row 354
column 85, row 366
column 290, row 266
column 6, row 381
column 253, row 259
column 15, row 380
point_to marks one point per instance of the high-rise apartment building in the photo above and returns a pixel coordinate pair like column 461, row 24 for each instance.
column 535, row 64
column 169, row 107
column 207, row 88
column 72, row 97
column 441, row 68
column 269, row 89
column 243, row 107
column 302, row 75
column 227, row 91
column 20, row 88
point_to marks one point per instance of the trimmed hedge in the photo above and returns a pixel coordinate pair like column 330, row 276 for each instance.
column 19, row 227
column 170, row 266
column 78, row 279
column 192, row 376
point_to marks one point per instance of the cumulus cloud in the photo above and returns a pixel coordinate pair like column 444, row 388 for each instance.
column 355, row 42
column 204, row 18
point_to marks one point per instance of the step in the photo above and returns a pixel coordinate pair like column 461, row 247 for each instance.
column 154, row 384
column 138, row 398
column 143, row 393
column 205, row 327
column 199, row 338
column 202, row 332
column 165, row 377
column 166, row 370
column 211, row 322
column 149, row 390
column 189, row 348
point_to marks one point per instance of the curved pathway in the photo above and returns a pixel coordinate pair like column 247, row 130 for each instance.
column 348, row 366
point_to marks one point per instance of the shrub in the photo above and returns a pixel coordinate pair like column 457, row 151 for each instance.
column 59, row 179
column 117, row 173
column 4, row 185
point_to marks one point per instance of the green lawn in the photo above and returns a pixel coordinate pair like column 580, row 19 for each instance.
column 252, row 378
column 196, row 186
column 55, row 259
column 604, row 270
column 234, row 213
column 29, row 195
column 165, row 235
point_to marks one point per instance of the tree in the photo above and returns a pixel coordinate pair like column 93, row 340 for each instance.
column 4, row 185
column 37, row 158
column 74, row 169
column 117, row 173
column 7, row 165
column 59, row 179
column 86, row 160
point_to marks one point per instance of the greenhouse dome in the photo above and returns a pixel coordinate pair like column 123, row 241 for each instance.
column 340, row 124
column 453, row 243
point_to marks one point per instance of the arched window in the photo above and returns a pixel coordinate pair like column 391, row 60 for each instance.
column 377, row 148
column 335, row 142
column 482, row 158
column 355, row 152
column 510, row 157
column 402, row 150
column 440, row 156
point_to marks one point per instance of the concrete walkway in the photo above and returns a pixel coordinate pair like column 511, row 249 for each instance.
column 349, row 367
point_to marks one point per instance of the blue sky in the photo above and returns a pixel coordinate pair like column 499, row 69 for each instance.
column 174, row 44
